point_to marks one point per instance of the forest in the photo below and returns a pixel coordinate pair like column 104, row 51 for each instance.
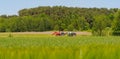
column 99, row 21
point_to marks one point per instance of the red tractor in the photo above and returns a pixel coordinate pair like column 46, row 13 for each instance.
column 58, row 33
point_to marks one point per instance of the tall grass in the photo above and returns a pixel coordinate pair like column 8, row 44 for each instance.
column 50, row 47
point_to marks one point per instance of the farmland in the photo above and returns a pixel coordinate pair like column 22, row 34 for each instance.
column 45, row 46
column 60, row 29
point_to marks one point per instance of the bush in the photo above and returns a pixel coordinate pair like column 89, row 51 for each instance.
column 10, row 35
column 116, row 33
column 107, row 31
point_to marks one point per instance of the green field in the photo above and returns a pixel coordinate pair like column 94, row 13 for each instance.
column 39, row 46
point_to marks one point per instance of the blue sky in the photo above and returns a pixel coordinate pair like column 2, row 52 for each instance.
column 11, row 7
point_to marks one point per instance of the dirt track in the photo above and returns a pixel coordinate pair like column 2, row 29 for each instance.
column 47, row 32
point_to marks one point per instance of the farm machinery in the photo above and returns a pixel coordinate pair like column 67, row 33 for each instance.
column 61, row 33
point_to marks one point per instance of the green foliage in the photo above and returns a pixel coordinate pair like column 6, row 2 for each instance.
column 63, row 26
column 107, row 31
column 56, row 27
column 116, row 24
column 99, row 25
column 70, row 27
column 83, row 24
column 2, row 24
column 60, row 18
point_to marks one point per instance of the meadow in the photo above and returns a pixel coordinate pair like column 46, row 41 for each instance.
column 43, row 46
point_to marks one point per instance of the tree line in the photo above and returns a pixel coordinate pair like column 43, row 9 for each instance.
column 62, row 18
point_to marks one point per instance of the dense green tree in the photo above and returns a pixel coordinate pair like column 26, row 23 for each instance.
column 46, row 18
column 99, row 25
column 2, row 24
column 70, row 27
column 116, row 24
column 56, row 27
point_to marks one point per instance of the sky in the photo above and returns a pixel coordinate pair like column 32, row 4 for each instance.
column 11, row 7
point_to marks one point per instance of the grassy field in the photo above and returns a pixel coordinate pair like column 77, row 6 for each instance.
column 42, row 46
